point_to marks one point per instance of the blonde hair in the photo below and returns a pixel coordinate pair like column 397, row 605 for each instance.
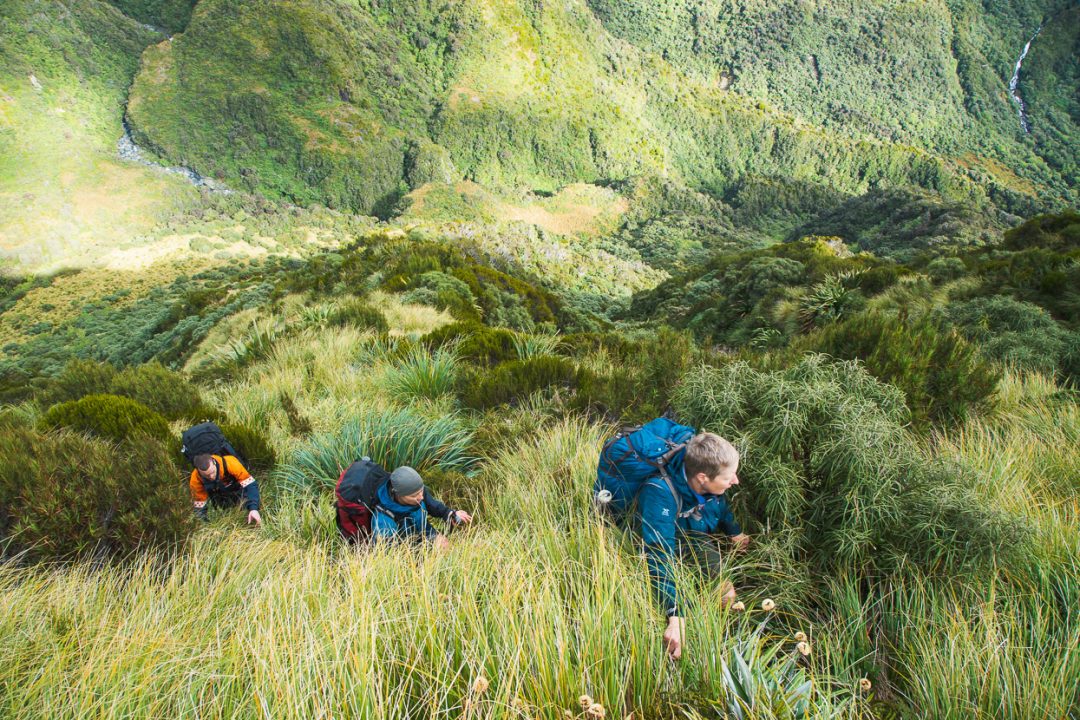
column 709, row 453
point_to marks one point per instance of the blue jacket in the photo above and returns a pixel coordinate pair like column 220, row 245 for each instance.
column 391, row 519
column 661, row 523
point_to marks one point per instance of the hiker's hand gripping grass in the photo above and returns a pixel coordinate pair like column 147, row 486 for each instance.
column 673, row 637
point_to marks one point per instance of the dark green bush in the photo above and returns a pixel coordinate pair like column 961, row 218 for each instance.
column 164, row 391
column 445, row 292
column 516, row 380
column 108, row 416
column 475, row 342
column 1019, row 334
column 252, row 444
column 942, row 375
column 584, row 343
column 646, row 369
column 77, row 379
column 943, row 269
column 359, row 314
column 826, row 459
column 64, row 495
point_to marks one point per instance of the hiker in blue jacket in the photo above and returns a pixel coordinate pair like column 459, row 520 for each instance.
column 680, row 509
column 404, row 509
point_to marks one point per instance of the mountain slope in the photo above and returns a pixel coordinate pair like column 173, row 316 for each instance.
column 353, row 104
column 65, row 67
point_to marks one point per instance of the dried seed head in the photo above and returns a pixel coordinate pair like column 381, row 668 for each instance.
column 596, row 710
column 568, row 714
column 480, row 685
column 803, row 648
column 865, row 685
column 767, row 605
column 738, row 606
column 584, row 701
column 800, row 636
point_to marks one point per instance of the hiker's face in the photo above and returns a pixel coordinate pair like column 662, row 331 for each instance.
column 209, row 473
column 718, row 485
column 415, row 499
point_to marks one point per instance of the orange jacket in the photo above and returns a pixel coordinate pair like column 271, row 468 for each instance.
column 232, row 477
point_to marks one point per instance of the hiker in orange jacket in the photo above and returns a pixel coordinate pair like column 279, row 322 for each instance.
column 223, row 481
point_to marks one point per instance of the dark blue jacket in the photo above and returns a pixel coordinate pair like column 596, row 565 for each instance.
column 661, row 523
column 391, row 519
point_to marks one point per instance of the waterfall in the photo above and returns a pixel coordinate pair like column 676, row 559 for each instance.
column 1015, row 82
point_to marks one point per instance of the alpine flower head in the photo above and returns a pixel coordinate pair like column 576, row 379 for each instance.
column 738, row 606
column 865, row 685
column 480, row 685
column 584, row 701
column 767, row 605
column 803, row 648
column 800, row 636
column 596, row 710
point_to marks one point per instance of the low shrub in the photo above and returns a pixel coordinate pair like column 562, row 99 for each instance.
column 1019, row 334
column 826, row 458
column 164, row 391
column 78, row 379
column 475, row 342
column 359, row 314
column 252, row 444
column 942, row 375
column 63, row 495
column 108, row 416
column 638, row 386
column 516, row 380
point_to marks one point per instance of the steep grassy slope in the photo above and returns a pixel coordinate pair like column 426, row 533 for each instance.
column 64, row 194
column 353, row 104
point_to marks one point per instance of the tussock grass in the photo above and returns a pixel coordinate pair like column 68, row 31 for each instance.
column 391, row 438
column 243, row 626
column 423, row 373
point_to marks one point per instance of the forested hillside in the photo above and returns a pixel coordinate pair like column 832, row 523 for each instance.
column 352, row 104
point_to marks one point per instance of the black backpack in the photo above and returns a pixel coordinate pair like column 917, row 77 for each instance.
column 357, row 494
column 207, row 439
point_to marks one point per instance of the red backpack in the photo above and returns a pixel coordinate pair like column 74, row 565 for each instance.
column 357, row 494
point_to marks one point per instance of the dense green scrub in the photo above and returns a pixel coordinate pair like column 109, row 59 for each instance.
column 928, row 74
column 170, row 15
column 353, row 105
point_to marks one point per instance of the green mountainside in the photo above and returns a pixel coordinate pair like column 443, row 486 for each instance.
column 354, row 103
column 65, row 195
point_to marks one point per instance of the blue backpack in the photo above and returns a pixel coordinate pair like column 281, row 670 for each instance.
column 636, row 455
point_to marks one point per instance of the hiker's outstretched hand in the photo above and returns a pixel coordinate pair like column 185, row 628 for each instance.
column 255, row 517
column 462, row 517
column 740, row 541
column 673, row 638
